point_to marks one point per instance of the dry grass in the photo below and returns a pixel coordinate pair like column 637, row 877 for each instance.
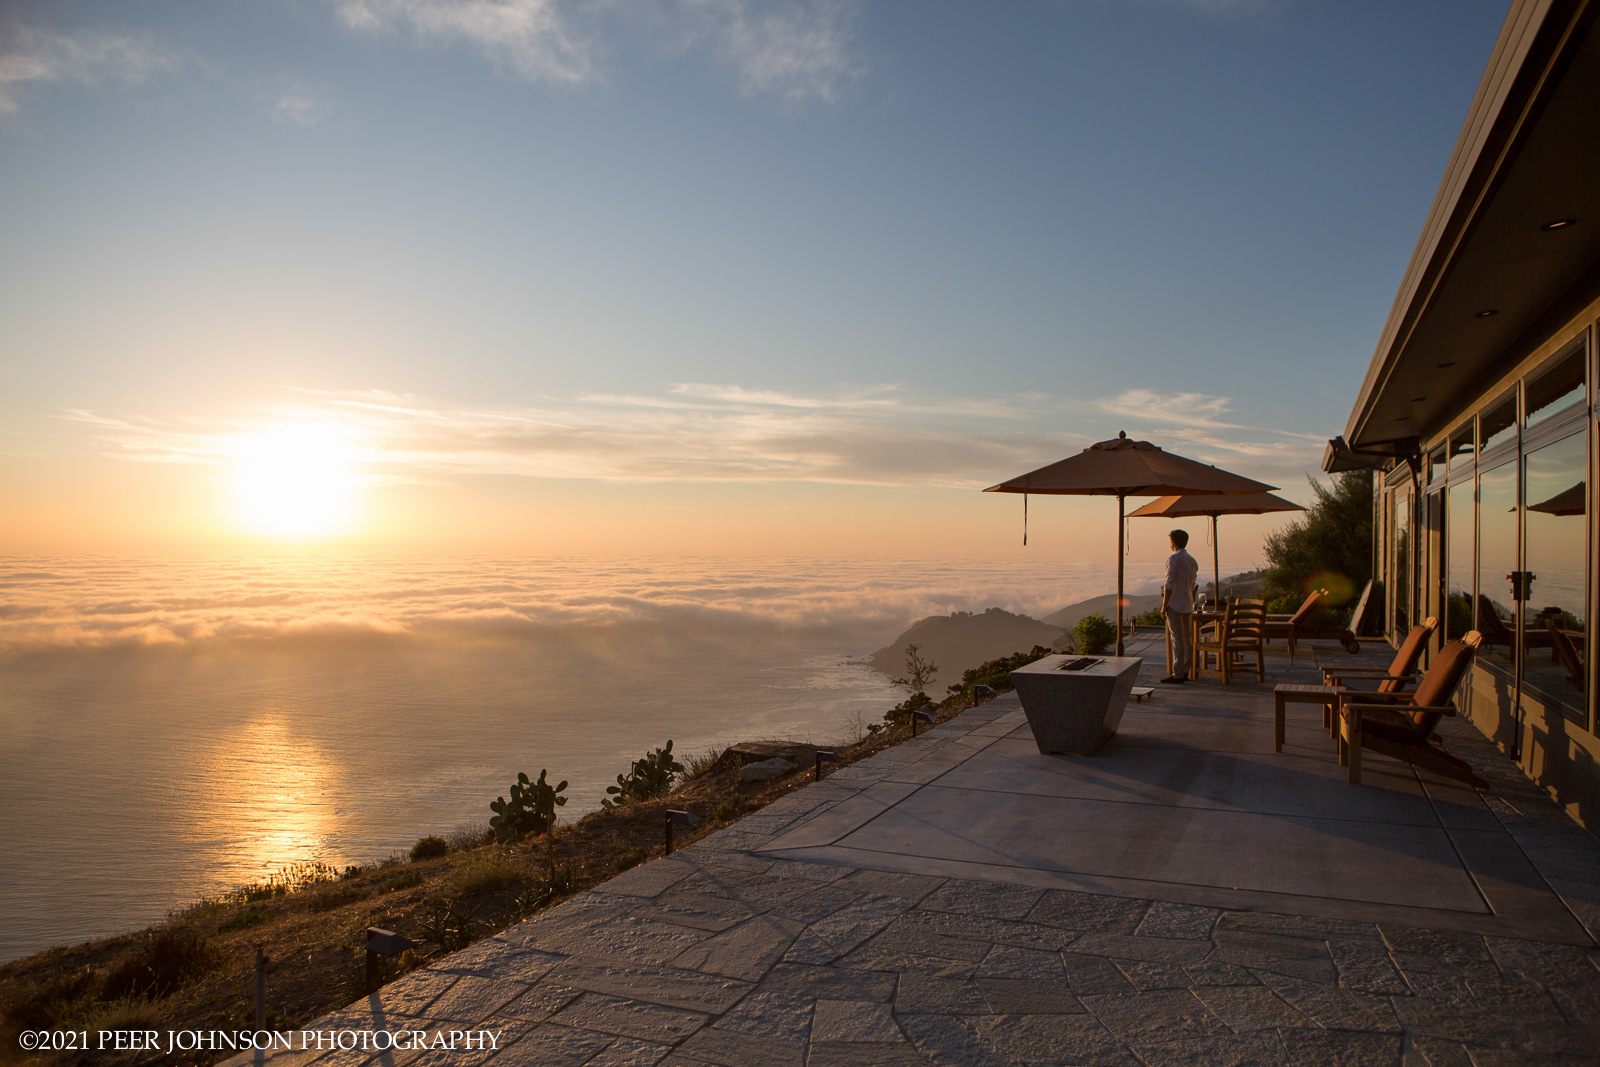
column 196, row 971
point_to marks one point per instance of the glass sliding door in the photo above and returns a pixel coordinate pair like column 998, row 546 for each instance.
column 1555, row 552
column 1461, row 561
column 1497, row 563
column 1402, row 563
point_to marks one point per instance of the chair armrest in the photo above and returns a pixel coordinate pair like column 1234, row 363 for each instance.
column 1279, row 618
column 1445, row 709
column 1375, row 699
column 1338, row 679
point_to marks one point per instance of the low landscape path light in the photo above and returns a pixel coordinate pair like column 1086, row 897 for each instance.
column 679, row 818
column 1122, row 468
column 920, row 716
column 381, row 942
column 822, row 757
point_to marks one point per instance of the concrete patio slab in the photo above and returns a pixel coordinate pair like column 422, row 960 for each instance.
column 1450, row 928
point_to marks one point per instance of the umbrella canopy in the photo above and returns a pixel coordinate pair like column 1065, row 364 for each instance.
column 1570, row 501
column 1123, row 468
column 1174, row 507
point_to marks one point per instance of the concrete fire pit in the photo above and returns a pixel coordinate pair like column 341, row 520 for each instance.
column 1075, row 711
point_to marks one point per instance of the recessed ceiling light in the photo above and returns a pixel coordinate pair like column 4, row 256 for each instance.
column 1442, row 366
column 1487, row 314
column 1558, row 224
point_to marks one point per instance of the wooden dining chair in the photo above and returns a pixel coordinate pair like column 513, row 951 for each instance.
column 1237, row 637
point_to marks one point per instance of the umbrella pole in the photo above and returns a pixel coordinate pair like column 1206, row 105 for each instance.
column 1121, row 525
column 1216, row 568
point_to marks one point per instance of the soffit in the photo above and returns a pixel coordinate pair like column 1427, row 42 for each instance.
column 1529, row 154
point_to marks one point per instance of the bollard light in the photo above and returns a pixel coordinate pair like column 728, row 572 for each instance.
column 261, row 987
column 822, row 757
column 919, row 716
column 981, row 691
column 679, row 818
column 382, row 942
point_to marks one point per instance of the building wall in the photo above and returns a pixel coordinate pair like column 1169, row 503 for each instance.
column 1427, row 552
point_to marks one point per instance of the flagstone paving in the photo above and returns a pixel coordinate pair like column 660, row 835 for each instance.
column 759, row 946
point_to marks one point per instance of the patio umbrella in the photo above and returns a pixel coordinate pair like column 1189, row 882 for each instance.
column 1174, row 507
column 1124, row 468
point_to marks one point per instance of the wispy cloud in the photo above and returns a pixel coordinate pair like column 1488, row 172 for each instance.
column 1180, row 409
column 536, row 39
column 795, row 50
column 870, row 435
column 32, row 55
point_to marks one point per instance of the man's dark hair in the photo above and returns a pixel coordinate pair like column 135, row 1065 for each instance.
column 1180, row 538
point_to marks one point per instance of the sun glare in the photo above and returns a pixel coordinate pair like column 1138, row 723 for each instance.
column 296, row 482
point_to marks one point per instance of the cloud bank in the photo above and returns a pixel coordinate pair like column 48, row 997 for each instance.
column 77, row 605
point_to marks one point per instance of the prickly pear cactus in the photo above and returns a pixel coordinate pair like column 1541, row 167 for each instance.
column 531, row 809
column 649, row 778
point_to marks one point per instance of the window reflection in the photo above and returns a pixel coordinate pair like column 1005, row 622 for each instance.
column 1461, row 451
column 1458, row 576
column 1497, row 558
column 1402, row 563
column 1498, row 425
column 1556, row 635
column 1557, row 389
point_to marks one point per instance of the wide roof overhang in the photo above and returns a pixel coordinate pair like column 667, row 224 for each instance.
column 1528, row 156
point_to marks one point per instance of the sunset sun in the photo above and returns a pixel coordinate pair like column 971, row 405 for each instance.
column 296, row 482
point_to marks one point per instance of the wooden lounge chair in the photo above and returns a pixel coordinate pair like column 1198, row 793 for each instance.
column 1391, row 679
column 1289, row 625
column 1401, row 725
column 1238, row 637
column 1571, row 659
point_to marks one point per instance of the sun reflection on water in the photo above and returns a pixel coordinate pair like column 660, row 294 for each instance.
column 271, row 800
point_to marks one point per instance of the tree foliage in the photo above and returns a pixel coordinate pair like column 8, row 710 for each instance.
column 919, row 671
column 1330, row 546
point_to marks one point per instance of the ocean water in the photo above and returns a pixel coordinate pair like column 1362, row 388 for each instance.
column 172, row 728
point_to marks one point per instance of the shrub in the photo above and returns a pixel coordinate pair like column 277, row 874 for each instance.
column 531, row 809
column 451, row 925
column 629, row 858
column 164, row 963
column 468, row 836
column 429, row 848
column 1153, row 617
column 650, row 778
column 403, row 880
column 488, row 874
column 900, row 714
column 702, row 764
column 997, row 672
column 1094, row 634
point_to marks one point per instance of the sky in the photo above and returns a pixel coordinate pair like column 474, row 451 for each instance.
column 690, row 276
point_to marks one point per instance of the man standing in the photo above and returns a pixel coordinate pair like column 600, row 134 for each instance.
column 1177, row 606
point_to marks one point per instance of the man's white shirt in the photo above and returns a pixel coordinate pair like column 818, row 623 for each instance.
column 1182, row 570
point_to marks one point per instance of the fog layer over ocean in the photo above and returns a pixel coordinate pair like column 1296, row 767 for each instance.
column 174, row 728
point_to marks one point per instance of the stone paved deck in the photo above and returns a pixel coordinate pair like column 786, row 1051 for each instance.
column 912, row 909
